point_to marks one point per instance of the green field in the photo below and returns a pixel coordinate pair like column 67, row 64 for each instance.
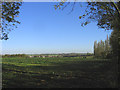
column 64, row 72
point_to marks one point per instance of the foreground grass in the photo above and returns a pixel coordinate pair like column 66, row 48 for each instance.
column 59, row 73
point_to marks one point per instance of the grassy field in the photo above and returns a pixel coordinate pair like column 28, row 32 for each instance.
column 64, row 72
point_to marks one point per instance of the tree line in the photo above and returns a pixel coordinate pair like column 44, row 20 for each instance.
column 15, row 55
column 108, row 48
column 102, row 48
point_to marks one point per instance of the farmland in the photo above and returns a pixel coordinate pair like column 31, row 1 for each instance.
column 58, row 72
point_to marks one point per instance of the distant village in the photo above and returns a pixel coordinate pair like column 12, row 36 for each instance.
column 49, row 55
column 43, row 56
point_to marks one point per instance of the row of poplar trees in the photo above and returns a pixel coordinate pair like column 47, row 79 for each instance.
column 102, row 49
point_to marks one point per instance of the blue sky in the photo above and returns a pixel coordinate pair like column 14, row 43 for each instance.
column 46, row 30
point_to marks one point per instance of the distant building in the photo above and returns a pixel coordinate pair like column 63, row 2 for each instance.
column 31, row 56
column 43, row 56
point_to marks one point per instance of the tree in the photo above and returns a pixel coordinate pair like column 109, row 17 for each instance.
column 115, row 42
column 95, row 47
column 9, row 10
column 106, row 14
column 107, row 46
column 102, row 49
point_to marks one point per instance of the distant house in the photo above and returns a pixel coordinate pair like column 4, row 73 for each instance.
column 50, row 56
column 39, row 56
column 31, row 56
column 43, row 56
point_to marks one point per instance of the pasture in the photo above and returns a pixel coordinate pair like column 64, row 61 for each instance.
column 62, row 72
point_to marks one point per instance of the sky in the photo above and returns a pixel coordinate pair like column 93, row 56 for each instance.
column 46, row 30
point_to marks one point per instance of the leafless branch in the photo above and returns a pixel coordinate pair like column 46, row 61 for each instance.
column 73, row 5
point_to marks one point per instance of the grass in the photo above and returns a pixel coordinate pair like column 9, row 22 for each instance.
column 66, row 72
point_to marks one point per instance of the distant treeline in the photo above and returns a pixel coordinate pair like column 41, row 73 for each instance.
column 49, row 55
column 15, row 55
column 77, row 55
